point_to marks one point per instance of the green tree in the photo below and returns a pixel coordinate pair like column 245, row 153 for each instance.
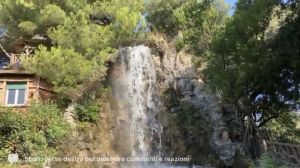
column 248, row 67
column 199, row 21
column 82, row 37
column 283, row 128
column 162, row 17
column 195, row 22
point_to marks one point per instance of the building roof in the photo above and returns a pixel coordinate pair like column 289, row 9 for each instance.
column 14, row 72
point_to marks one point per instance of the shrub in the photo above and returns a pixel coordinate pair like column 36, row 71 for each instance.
column 14, row 129
column 39, row 134
column 88, row 107
column 179, row 44
column 47, row 118
column 268, row 162
column 88, row 112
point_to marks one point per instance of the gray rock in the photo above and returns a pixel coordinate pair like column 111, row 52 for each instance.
column 178, row 69
column 69, row 117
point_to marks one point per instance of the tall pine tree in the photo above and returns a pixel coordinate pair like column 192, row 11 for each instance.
column 83, row 35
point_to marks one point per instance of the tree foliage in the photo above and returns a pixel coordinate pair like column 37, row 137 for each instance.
column 39, row 134
column 199, row 21
column 254, row 72
column 279, row 130
column 161, row 15
column 83, row 36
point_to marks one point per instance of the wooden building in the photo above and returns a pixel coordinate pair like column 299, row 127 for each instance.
column 19, row 88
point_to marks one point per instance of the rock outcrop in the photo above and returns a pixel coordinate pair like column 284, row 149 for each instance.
column 69, row 115
column 209, row 123
column 89, row 140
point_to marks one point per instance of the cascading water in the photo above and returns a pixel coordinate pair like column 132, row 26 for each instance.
column 136, row 87
column 138, row 84
column 141, row 79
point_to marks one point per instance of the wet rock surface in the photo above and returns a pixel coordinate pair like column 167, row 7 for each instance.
column 210, row 130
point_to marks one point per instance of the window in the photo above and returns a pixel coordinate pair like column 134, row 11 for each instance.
column 15, row 94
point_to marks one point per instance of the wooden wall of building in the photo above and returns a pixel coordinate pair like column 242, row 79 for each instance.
column 37, row 89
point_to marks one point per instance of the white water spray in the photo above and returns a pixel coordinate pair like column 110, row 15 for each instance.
column 139, row 78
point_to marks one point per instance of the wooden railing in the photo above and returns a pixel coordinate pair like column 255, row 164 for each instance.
column 15, row 58
column 288, row 154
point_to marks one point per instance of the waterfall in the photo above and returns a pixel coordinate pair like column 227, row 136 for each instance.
column 141, row 79
column 136, row 88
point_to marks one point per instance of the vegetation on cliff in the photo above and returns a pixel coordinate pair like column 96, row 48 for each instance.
column 41, row 133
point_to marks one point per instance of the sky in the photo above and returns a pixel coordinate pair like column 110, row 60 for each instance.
column 231, row 2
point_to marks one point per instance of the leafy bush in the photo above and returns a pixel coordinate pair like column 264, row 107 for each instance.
column 88, row 107
column 88, row 112
column 179, row 44
column 197, row 61
column 62, row 101
column 49, row 119
column 284, row 128
column 39, row 134
column 267, row 162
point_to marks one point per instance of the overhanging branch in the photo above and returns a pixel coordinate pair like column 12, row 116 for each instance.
column 272, row 117
column 6, row 54
column 266, row 120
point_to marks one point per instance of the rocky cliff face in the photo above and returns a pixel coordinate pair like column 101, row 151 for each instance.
column 194, row 122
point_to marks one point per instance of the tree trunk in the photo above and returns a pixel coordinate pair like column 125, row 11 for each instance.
column 7, row 55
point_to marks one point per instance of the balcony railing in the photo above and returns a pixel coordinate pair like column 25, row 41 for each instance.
column 15, row 58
